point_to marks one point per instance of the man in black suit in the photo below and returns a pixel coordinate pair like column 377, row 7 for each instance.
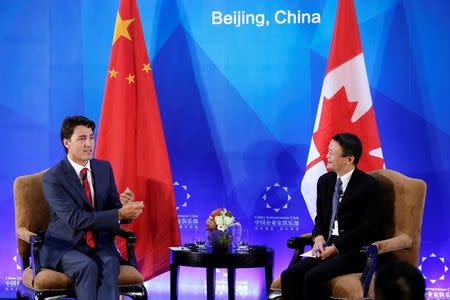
column 85, row 209
column 348, row 217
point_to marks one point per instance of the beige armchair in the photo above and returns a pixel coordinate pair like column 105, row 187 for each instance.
column 403, row 202
column 32, row 218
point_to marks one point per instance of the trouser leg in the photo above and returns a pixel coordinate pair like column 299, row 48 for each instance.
column 84, row 271
column 292, row 279
column 315, row 277
column 108, row 277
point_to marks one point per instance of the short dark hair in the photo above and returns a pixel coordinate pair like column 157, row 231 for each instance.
column 400, row 281
column 350, row 144
column 69, row 124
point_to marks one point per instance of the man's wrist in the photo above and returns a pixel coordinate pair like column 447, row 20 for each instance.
column 318, row 236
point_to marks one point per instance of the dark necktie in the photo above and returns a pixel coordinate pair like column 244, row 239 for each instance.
column 336, row 195
column 90, row 238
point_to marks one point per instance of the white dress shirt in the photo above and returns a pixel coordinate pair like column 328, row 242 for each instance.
column 78, row 169
column 345, row 180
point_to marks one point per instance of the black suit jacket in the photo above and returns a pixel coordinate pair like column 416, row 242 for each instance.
column 71, row 214
column 359, row 212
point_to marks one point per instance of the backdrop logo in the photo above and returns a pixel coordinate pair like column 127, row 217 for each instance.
column 16, row 260
column 433, row 268
column 185, row 220
column 437, row 293
column 276, row 200
column 276, row 197
column 181, row 194
column 11, row 283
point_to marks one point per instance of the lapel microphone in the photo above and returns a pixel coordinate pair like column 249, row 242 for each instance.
column 84, row 176
column 341, row 192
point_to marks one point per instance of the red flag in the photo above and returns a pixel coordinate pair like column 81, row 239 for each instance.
column 131, row 137
column 345, row 104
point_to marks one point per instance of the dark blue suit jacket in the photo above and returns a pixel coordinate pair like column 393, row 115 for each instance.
column 71, row 214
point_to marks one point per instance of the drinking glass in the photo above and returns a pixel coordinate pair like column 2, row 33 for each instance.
column 199, row 240
column 243, row 243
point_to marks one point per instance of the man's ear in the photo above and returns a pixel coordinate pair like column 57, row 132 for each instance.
column 351, row 159
column 66, row 143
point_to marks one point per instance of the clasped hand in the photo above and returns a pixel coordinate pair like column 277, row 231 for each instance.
column 320, row 250
column 130, row 209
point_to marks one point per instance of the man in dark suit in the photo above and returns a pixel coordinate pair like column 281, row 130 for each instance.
column 85, row 209
column 348, row 217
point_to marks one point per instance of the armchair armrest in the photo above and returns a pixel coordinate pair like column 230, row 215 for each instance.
column 126, row 234
column 298, row 244
column 130, row 238
column 24, row 245
column 371, row 251
column 24, row 234
column 36, row 243
column 401, row 241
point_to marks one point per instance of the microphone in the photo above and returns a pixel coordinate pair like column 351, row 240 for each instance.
column 84, row 176
column 341, row 193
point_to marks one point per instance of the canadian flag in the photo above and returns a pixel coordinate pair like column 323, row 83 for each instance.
column 345, row 104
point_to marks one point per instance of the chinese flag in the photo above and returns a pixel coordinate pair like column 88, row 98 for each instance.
column 131, row 138
column 345, row 104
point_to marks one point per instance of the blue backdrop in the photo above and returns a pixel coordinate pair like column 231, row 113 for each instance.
column 238, row 105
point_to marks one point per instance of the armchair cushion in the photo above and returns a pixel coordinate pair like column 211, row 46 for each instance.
column 129, row 276
column 346, row 286
column 276, row 284
column 341, row 287
column 48, row 279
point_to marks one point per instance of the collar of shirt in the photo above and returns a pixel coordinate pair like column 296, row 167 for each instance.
column 346, row 179
column 79, row 167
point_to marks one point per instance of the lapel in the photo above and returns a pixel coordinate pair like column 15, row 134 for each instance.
column 74, row 180
column 350, row 187
column 95, row 183
column 330, row 192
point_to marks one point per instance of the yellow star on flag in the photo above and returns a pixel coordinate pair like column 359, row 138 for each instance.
column 121, row 28
column 113, row 73
column 130, row 78
column 146, row 68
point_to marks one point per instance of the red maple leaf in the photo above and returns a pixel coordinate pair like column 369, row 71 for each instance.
column 335, row 118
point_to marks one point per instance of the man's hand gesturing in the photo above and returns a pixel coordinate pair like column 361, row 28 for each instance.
column 127, row 196
column 131, row 210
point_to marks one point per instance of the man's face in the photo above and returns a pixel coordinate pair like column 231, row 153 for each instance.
column 335, row 161
column 80, row 145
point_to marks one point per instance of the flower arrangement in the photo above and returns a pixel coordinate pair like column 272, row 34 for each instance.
column 219, row 219
column 222, row 228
